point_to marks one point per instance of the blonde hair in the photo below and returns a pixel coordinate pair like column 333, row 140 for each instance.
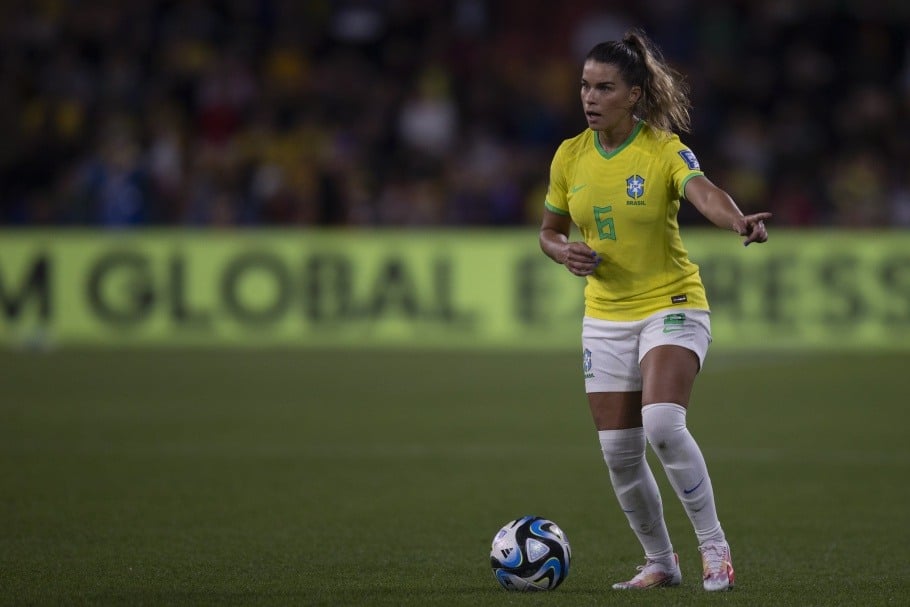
column 664, row 101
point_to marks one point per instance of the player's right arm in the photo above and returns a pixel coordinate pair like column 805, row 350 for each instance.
column 577, row 257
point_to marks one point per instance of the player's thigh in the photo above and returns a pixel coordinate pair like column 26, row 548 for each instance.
column 615, row 410
column 673, row 348
column 668, row 374
column 612, row 373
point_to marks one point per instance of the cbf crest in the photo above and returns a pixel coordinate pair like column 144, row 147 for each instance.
column 635, row 186
column 586, row 363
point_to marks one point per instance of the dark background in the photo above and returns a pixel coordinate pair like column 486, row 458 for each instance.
column 429, row 112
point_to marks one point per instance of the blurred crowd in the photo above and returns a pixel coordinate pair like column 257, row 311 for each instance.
column 429, row 112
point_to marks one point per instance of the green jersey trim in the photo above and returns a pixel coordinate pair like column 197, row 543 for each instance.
column 682, row 187
column 556, row 210
column 635, row 130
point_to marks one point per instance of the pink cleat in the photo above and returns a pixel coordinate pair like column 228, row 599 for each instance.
column 718, row 566
column 653, row 575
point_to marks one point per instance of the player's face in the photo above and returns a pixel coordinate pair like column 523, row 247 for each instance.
column 606, row 98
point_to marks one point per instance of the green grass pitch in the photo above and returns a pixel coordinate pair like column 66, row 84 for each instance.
column 379, row 478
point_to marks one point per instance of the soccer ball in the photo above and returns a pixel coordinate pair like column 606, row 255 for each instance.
column 530, row 553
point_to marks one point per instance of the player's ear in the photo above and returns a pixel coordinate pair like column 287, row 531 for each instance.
column 634, row 95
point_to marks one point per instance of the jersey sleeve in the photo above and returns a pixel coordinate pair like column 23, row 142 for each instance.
column 557, row 192
column 682, row 165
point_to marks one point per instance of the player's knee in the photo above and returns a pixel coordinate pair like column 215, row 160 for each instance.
column 664, row 424
column 622, row 460
column 623, row 452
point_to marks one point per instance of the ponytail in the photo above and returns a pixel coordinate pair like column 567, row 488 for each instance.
column 664, row 101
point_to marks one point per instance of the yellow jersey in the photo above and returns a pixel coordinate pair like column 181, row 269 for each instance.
column 625, row 204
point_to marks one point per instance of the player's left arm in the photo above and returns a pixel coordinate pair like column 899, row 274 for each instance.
column 720, row 209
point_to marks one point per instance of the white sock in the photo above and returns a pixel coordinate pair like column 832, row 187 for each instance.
column 665, row 427
column 636, row 490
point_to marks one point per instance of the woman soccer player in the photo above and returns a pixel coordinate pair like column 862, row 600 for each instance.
column 646, row 326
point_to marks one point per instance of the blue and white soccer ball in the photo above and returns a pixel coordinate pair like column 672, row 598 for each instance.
column 530, row 553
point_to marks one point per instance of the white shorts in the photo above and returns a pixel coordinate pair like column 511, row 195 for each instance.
column 612, row 351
